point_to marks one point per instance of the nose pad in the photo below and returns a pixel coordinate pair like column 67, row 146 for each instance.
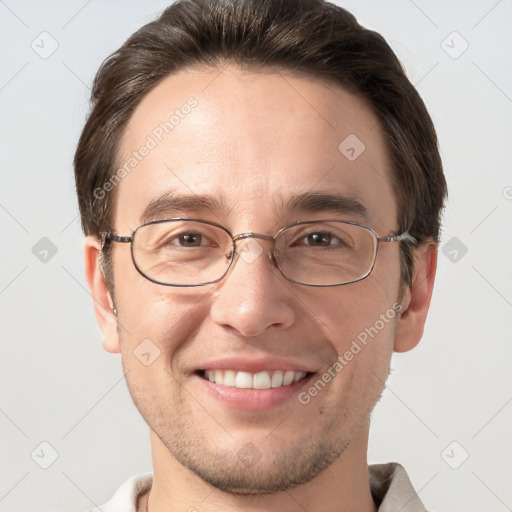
column 275, row 257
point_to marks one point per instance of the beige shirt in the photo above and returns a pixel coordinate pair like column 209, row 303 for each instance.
column 391, row 490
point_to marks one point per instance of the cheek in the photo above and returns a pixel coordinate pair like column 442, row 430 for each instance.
column 161, row 314
column 361, row 333
column 155, row 319
column 371, row 346
column 153, row 328
column 348, row 312
column 146, row 309
column 364, row 352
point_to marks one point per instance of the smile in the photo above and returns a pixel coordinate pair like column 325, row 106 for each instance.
column 260, row 380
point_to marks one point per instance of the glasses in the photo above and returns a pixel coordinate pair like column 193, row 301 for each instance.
column 194, row 252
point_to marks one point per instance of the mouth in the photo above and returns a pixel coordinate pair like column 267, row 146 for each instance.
column 260, row 380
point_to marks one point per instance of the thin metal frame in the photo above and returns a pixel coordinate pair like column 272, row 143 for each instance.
column 112, row 237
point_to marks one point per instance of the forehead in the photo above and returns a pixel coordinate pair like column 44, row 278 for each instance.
column 252, row 142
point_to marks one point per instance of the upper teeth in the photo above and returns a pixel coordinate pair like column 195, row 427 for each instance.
column 261, row 380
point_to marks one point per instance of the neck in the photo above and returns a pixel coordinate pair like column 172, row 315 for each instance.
column 341, row 487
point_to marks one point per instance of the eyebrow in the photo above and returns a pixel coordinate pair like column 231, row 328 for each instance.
column 328, row 202
column 171, row 203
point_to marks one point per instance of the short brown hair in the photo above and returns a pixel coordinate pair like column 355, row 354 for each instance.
column 311, row 37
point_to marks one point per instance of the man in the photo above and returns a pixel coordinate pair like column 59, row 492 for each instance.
column 261, row 190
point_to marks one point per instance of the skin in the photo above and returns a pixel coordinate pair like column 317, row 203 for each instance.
column 253, row 140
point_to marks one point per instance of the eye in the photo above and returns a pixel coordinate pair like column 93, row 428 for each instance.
column 190, row 239
column 173, row 237
column 320, row 239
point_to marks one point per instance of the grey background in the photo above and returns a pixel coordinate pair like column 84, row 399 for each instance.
column 449, row 398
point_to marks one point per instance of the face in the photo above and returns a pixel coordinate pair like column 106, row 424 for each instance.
column 251, row 144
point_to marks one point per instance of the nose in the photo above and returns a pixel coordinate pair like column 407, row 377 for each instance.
column 254, row 297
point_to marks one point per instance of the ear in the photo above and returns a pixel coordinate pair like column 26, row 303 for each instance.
column 103, row 303
column 416, row 300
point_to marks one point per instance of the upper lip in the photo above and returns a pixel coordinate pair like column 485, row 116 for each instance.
column 255, row 365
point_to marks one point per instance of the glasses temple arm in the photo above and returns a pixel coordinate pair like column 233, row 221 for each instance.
column 402, row 237
column 106, row 238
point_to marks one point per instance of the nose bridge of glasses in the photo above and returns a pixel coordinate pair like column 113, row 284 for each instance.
column 240, row 238
column 250, row 234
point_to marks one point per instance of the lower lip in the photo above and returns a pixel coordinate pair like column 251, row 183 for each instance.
column 253, row 399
